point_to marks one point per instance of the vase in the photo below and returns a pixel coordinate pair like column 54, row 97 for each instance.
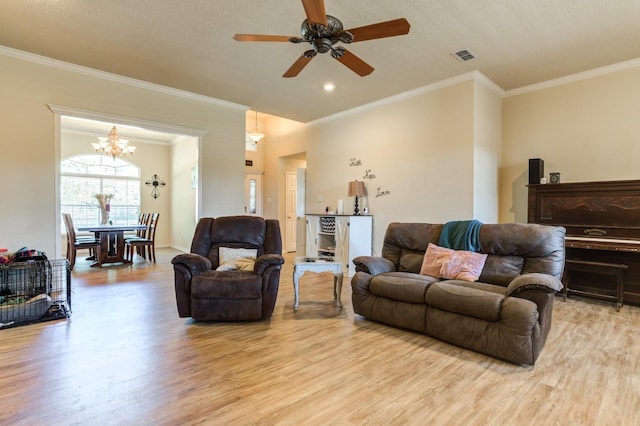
column 104, row 216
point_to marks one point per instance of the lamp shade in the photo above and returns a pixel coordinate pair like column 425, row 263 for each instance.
column 357, row 189
column 255, row 136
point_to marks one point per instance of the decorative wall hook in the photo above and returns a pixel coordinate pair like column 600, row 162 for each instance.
column 155, row 182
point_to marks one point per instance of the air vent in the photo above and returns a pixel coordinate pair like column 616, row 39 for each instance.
column 464, row 55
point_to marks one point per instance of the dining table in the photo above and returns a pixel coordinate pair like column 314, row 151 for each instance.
column 112, row 244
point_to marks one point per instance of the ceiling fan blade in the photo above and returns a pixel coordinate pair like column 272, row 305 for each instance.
column 314, row 9
column 391, row 28
column 257, row 37
column 297, row 66
column 355, row 64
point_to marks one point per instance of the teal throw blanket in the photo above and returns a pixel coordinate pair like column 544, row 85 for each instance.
column 461, row 235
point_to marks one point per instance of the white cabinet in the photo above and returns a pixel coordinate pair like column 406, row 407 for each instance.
column 340, row 238
column 313, row 227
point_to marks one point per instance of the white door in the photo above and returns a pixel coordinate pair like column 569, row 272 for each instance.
column 290, row 230
column 253, row 194
column 301, row 247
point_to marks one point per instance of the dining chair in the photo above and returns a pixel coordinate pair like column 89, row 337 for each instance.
column 143, row 219
column 75, row 243
column 145, row 244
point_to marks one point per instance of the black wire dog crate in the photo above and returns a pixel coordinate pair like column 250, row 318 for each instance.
column 34, row 291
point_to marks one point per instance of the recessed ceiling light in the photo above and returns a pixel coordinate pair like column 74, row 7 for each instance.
column 328, row 87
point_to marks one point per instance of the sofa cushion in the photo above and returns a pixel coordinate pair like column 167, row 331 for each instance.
column 402, row 286
column 410, row 261
column 465, row 301
column 500, row 269
column 405, row 243
column 512, row 338
column 226, row 285
column 491, row 288
column 452, row 264
column 540, row 246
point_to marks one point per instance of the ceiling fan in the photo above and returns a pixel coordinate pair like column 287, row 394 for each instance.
column 322, row 31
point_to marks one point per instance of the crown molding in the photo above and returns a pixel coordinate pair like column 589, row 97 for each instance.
column 111, row 118
column 79, row 69
column 596, row 72
column 136, row 140
column 481, row 78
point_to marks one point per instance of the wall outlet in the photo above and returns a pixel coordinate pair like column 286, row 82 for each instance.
column 319, row 198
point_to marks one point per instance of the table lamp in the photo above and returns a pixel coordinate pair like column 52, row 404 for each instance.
column 357, row 189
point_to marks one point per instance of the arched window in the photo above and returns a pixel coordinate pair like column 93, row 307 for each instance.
column 83, row 176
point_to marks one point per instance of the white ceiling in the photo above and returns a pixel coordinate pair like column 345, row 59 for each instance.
column 188, row 45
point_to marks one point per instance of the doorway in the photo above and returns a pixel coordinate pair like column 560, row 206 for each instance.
column 291, row 188
column 253, row 194
column 77, row 128
column 291, row 200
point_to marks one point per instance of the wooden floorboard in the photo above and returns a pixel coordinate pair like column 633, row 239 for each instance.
column 124, row 357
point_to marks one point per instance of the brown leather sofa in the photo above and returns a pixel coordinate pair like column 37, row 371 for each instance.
column 206, row 294
column 506, row 313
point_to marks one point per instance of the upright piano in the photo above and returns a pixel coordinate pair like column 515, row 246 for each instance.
column 603, row 225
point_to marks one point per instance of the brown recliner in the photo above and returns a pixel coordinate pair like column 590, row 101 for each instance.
column 205, row 294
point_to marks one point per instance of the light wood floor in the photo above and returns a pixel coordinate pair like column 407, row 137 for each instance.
column 124, row 357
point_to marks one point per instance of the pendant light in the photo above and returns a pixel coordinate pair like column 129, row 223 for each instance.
column 255, row 135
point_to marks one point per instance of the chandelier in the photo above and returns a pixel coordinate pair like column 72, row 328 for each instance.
column 113, row 145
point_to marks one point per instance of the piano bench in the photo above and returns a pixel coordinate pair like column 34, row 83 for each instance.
column 614, row 269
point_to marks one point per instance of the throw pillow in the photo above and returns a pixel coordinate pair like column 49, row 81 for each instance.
column 229, row 266
column 228, row 254
column 244, row 264
column 232, row 259
column 451, row 264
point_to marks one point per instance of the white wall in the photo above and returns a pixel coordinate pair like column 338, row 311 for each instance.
column 417, row 155
column 587, row 129
column 284, row 138
column 30, row 151
column 184, row 155
column 487, row 151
